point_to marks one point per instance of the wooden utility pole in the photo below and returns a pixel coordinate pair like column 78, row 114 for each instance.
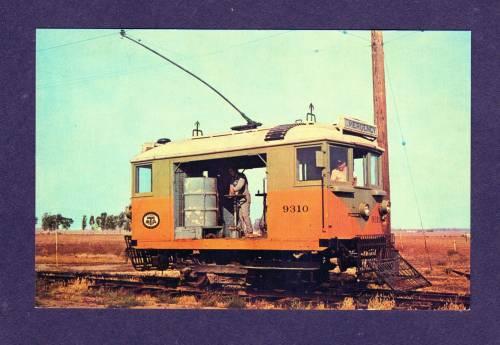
column 380, row 111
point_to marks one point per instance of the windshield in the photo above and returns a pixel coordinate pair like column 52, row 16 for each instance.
column 356, row 166
column 374, row 169
column 366, row 168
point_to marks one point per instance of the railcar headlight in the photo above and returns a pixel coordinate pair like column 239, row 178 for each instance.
column 364, row 210
column 385, row 208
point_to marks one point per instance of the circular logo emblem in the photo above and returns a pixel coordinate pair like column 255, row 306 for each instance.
column 151, row 220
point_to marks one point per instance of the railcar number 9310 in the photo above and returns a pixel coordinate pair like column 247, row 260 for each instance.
column 295, row 208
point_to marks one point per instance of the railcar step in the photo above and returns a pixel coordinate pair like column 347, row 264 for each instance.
column 140, row 259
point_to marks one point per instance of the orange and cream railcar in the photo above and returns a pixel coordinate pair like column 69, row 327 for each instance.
column 307, row 216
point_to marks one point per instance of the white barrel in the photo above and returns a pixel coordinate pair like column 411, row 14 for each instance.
column 200, row 201
column 200, row 218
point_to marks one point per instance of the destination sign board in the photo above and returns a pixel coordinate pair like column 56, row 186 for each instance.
column 357, row 126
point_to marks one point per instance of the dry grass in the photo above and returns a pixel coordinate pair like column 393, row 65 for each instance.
column 236, row 302
column 120, row 299
column 189, row 301
column 447, row 250
column 263, row 305
column 79, row 286
column 165, row 299
column 79, row 248
column 297, row 304
column 71, row 293
column 213, row 301
column 78, row 294
column 381, row 303
column 453, row 307
column 348, row 304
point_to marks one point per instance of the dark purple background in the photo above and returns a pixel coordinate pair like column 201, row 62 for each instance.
column 21, row 323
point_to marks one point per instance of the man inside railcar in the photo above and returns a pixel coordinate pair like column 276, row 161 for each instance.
column 340, row 167
column 239, row 186
column 339, row 173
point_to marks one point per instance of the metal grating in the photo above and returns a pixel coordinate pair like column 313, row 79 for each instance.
column 397, row 273
column 279, row 132
column 371, row 247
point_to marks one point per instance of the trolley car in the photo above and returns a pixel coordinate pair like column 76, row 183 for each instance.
column 309, row 223
column 323, row 204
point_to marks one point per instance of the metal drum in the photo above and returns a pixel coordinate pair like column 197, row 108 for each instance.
column 200, row 201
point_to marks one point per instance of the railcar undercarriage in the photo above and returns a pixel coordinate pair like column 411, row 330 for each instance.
column 369, row 260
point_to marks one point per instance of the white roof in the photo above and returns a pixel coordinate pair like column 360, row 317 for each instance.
column 250, row 139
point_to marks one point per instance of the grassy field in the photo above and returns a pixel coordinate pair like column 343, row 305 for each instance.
column 106, row 252
column 79, row 249
column 78, row 295
column 445, row 251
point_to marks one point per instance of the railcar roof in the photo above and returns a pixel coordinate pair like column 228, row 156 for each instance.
column 251, row 139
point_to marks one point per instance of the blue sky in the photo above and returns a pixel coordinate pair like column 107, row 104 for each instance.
column 99, row 97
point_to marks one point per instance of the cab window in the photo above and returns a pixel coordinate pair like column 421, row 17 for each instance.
column 143, row 180
column 360, row 166
column 339, row 167
column 374, row 169
column 306, row 164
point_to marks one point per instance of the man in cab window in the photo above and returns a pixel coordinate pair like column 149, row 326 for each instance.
column 339, row 173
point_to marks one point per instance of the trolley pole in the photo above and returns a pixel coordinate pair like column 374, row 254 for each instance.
column 380, row 111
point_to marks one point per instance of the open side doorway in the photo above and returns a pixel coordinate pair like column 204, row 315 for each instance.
column 203, row 208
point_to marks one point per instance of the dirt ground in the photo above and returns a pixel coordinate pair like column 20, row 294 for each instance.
column 106, row 252
column 445, row 251
column 81, row 248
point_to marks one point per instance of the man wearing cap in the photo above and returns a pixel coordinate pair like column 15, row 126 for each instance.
column 339, row 173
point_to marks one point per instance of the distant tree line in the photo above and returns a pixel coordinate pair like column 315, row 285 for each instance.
column 54, row 221
column 104, row 221
column 107, row 221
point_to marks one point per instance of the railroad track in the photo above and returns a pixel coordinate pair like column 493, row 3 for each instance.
column 231, row 286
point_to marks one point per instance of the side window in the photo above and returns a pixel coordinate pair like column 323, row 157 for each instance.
column 374, row 169
column 306, row 164
column 360, row 164
column 143, row 178
column 338, row 164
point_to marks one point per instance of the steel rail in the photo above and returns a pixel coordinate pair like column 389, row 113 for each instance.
column 328, row 296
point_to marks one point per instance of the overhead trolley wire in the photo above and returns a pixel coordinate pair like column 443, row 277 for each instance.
column 77, row 42
column 402, row 36
column 73, row 81
column 240, row 44
column 345, row 32
column 76, row 81
column 403, row 143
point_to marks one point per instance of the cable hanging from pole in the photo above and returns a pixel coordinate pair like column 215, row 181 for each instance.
column 403, row 143
column 251, row 124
